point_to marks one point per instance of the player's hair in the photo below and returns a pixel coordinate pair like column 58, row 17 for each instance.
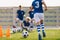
column 31, row 7
column 28, row 18
column 20, row 6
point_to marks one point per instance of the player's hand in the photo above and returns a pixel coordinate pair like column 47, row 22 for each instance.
column 45, row 8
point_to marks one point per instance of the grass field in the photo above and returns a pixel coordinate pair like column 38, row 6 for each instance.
column 50, row 35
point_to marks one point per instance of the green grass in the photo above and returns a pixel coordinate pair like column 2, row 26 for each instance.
column 50, row 35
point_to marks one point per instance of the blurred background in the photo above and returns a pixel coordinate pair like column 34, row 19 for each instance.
column 8, row 10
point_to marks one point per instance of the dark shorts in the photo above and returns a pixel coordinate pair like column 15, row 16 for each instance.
column 31, row 26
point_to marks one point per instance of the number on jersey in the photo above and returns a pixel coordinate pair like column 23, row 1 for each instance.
column 37, row 4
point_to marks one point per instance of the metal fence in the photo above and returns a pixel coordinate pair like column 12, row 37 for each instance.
column 8, row 14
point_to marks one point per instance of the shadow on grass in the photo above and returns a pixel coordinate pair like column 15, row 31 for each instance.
column 58, row 39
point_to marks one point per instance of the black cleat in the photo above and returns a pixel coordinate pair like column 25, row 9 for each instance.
column 14, row 31
column 39, row 37
column 44, row 35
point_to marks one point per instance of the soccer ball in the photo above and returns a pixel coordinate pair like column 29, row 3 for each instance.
column 25, row 34
column 14, row 30
column 18, row 29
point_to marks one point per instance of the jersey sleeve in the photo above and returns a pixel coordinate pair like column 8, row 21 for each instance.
column 33, row 3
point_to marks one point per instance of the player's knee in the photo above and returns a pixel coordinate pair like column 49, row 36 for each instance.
column 38, row 23
column 41, row 21
column 17, row 19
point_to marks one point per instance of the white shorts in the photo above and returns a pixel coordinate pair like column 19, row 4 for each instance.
column 17, row 19
column 38, row 17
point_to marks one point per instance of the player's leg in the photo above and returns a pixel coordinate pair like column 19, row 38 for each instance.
column 25, row 28
column 31, row 25
column 37, row 20
column 42, row 24
column 15, row 23
column 20, row 27
column 14, row 29
column 21, row 23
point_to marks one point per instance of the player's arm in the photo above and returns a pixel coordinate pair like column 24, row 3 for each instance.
column 23, row 12
column 44, row 5
column 32, row 7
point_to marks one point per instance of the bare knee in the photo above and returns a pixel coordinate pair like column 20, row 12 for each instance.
column 41, row 21
column 38, row 23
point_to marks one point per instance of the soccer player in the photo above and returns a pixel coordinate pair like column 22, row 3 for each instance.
column 20, row 17
column 31, row 15
column 26, row 24
column 39, row 15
